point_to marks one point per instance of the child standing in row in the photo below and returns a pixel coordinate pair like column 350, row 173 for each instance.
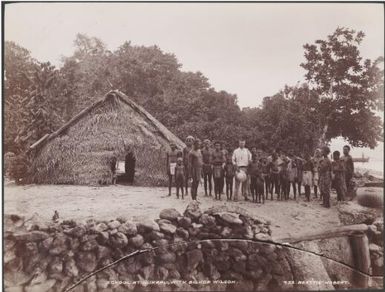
column 180, row 177
column 349, row 171
column 171, row 164
column 207, row 167
column 274, row 175
column 256, row 180
column 225, row 153
column 195, row 167
column 316, row 161
column 293, row 173
column 325, row 177
column 307, row 176
column 299, row 174
column 266, row 166
column 229, row 172
column 338, row 175
column 284, row 180
column 185, row 155
column 218, row 162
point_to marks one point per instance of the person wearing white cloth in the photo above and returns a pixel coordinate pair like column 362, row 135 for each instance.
column 172, row 157
column 241, row 159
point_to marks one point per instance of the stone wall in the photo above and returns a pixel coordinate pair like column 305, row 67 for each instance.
column 185, row 249
column 221, row 249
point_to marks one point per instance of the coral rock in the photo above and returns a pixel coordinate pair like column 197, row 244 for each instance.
column 118, row 240
column 128, row 228
column 167, row 227
column 137, row 241
column 184, row 222
column 169, row 214
column 87, row 261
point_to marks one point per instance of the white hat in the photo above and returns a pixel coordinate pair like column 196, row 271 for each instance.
column 241, row 176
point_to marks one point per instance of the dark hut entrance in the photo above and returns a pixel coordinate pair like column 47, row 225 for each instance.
column 129, row 169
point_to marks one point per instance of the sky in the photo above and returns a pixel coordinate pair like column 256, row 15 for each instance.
column 251, row 50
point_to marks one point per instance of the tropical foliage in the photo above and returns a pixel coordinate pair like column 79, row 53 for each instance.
column 343, row 95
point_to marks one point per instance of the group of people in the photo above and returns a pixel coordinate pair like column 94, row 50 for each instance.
column 257, row 173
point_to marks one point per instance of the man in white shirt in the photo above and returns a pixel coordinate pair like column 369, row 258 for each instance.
column 241, row 159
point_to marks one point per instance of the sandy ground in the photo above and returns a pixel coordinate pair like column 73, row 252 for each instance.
column 105, row 203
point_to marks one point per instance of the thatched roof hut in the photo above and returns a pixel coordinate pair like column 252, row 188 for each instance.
column 80, row 152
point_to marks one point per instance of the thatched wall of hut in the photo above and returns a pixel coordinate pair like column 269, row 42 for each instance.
column 80, row 152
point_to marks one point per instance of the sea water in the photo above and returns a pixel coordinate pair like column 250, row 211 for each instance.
column 374, row 167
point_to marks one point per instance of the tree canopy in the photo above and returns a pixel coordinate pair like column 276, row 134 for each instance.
column 350, row 89
column 343, row 95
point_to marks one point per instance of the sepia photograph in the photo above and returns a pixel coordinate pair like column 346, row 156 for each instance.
column 192, row 146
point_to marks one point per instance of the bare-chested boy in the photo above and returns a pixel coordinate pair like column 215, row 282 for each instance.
column 218, row 160
column 256, row 180
column 172, row 157
column 180, row 177
column 229, row 173
column 316, row 163
column 349, row 171
column 186, row 151
column 338, row 176
column 207, row 167
column 195, row 167
column 266, row 167
column 225, row 154
column 307, row 175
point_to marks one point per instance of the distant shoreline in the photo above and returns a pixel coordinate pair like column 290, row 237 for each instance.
column 373, row 172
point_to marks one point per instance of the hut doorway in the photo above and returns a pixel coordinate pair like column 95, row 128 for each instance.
column 127, row 169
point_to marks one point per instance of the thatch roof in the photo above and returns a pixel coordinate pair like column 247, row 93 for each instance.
column 124, row 98
column 79, row 152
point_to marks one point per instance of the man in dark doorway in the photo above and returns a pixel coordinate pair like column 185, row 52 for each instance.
column 113, row 163
column 129, row 165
